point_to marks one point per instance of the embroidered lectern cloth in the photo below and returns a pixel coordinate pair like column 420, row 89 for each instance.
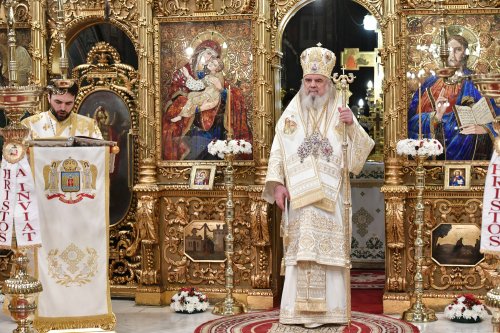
column 72, row 186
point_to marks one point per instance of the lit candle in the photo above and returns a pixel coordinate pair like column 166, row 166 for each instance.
column 228, row 108
column 419, row 111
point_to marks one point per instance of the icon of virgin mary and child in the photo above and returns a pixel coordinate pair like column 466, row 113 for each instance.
column 195, row 106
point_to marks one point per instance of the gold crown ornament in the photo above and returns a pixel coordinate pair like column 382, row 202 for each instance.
column 317, row 60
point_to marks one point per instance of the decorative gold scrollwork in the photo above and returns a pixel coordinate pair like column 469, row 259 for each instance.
column 177, row 213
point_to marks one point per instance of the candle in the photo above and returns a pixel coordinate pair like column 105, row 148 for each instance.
column 419, row 112
column 228, row 108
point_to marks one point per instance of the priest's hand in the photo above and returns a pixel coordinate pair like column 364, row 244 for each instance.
column 280, row 194
column 346, row 115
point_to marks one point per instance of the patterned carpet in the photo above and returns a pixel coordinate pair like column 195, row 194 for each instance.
column 267, row 322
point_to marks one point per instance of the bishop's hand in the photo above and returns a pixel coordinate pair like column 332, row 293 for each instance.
column 280, row 194
column 346, row 115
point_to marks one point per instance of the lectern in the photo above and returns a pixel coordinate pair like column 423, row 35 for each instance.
column 72, row 189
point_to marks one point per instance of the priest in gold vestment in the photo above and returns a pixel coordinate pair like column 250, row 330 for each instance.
column 304, row 178
column 60, row 121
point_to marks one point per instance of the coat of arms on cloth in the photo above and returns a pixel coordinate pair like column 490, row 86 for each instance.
column 70, row 180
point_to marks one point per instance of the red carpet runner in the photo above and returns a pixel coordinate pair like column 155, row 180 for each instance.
column 261, row 322
column 367, row 290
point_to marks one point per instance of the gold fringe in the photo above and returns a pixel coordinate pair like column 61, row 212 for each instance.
column 106, row 322
column 282, row 267
column 307, row 198
column 326, row 205
column 310, row 305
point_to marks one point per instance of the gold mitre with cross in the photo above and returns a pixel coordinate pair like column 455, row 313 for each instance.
column 317, row 60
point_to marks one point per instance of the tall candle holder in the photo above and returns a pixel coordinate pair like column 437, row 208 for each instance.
column 228, row 149
column 420, row 150
column 20, row 289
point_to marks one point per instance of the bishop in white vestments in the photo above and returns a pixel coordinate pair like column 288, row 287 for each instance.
column 305, row 170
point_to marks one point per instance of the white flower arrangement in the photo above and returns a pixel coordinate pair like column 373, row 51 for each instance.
column 465, row 308
column 223, row 147
column 413, row 147
column 189, row 300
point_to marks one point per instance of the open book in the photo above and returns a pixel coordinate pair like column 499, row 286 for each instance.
column 70, row 142
column 480, row 113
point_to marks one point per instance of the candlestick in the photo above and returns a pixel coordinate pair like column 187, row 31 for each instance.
column 419, row 111
column 228, row 108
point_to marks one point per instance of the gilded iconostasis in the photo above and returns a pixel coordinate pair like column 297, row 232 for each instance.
column 168, row 199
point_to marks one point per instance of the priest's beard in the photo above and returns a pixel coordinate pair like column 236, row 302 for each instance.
column 60, row 116
column 312, row 102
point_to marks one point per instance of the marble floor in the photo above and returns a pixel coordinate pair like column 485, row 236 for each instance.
column 132, row 318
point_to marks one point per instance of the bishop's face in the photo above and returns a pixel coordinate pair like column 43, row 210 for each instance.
column 315, row 84
column 61, row 105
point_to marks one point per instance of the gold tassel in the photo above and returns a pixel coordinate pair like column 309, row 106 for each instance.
column 106, row 322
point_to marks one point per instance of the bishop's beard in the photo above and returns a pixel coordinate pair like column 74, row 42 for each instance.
column 311, row 101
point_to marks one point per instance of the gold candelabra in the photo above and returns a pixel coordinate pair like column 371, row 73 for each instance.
column 229, row 305
column 20, row 289
column 418, row 312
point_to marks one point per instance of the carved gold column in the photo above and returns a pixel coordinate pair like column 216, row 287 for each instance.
column 38, row 10
column 145, row 52
column 146, row 246
column 395, row 193
column 395, row 268
column 146, row 238
column 264, row 106
column 394, row 109
column 261, row 295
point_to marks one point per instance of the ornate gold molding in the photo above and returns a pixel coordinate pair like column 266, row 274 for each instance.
column 252, row 262
column 261, row 251
column 464, row 209
column 118, row 10
column 39, row 45
column 264, row 92
column 450, row 4
column 22, row 15
column 104, row 71
column 146, row 235
column 145, row 52
column 172, row 8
